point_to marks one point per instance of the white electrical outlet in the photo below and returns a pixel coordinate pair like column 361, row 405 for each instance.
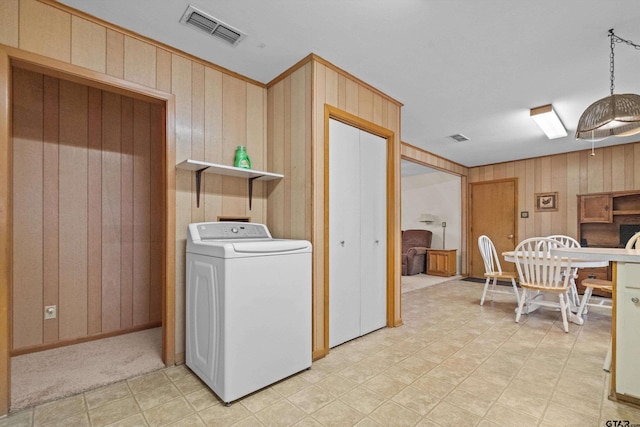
column 50, row 312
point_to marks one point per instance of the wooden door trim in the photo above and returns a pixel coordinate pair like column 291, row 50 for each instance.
column 10, row 57
column 330, row 112
column 470, row 241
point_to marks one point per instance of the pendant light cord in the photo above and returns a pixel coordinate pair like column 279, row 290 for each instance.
column 615, row 39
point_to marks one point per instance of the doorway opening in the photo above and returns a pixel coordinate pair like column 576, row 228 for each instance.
column 432, row 200
column 70, row 198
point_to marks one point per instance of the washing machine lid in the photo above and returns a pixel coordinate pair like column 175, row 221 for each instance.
column 270, row 246
column 237, row 240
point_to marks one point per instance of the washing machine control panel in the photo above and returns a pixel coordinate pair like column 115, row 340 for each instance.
column 232, row 230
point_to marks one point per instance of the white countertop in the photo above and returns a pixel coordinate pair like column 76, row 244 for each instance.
column 609, row 254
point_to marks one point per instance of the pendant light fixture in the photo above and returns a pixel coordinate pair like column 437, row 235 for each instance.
column 615, row 115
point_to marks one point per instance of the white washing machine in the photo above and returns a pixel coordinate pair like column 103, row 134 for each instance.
column 248, row 308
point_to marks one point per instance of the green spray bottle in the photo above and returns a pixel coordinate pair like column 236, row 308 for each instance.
column 242, row 158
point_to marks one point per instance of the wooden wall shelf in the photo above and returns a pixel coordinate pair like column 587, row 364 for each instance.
column 250, row 174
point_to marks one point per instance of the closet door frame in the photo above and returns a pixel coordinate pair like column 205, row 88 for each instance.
column 13, row 57
column 391, row 214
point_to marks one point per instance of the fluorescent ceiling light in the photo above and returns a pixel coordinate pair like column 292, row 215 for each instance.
column 547, row 119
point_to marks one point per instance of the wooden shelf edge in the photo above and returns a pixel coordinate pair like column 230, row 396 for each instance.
column 627, row 212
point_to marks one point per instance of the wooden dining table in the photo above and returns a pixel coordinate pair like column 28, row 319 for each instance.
column 511, row 256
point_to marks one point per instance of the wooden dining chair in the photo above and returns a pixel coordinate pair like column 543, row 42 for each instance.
column 493, row 271
column 541, row 272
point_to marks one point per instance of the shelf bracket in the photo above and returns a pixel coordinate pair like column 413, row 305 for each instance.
column 198, row 183
column 251, row 188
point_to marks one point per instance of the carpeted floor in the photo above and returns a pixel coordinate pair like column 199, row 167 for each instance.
column 52, row 374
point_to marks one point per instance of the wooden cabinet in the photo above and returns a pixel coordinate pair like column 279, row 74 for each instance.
column 601, row 216
column 596, row 208
column 441, row 262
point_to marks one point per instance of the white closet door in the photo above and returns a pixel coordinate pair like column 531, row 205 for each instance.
column 344, row 233
column 357, row 232
column 373, row 232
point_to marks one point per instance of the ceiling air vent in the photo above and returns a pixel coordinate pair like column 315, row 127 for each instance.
column 458, row 137
column 202, row 21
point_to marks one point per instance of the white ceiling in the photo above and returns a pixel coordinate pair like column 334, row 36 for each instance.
column 474, row 67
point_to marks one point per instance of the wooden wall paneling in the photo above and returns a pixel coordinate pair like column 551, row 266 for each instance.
column 72, row 311
column 181, row 88
column 595, row 170
column 163, row 70
column 309, row 156
column 197, row 134
column 299, row 171
column 27, row 231
column 629, row 169
column 50, row 260
column 378, row 112
column 619, row 171
column 529, row 199
column 156, row 204
column 94, row 211
column 234, row 117
column 500, row 171
column 115, row 54
column 352, row 92
column 88, row 44
column 139, row 62
column 141, row 211
column 330, row 84
column 559, row 184
column 573, row 188
column 607, row 172
column 584, row 172
column 277, row 216
column 45, row 30
column 286, row 155
column 256, row 142
column 9, row 17
column 112, row 209
column 342, row 89
column 365, row 103
column 126, row 213
column 212, row 191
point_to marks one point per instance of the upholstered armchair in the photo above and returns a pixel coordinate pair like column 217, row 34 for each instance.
column 414, row 251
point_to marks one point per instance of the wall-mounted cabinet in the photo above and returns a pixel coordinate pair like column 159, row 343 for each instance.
column 596, row 208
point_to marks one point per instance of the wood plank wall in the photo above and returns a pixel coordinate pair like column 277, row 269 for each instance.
column 296, row 148
column 87, row 211
column 216, row 109
column 611, row 169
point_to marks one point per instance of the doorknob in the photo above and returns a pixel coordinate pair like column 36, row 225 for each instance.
column 341, row 242
column 510, row 236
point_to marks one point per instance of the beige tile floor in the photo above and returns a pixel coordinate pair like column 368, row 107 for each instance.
column 452, row 363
